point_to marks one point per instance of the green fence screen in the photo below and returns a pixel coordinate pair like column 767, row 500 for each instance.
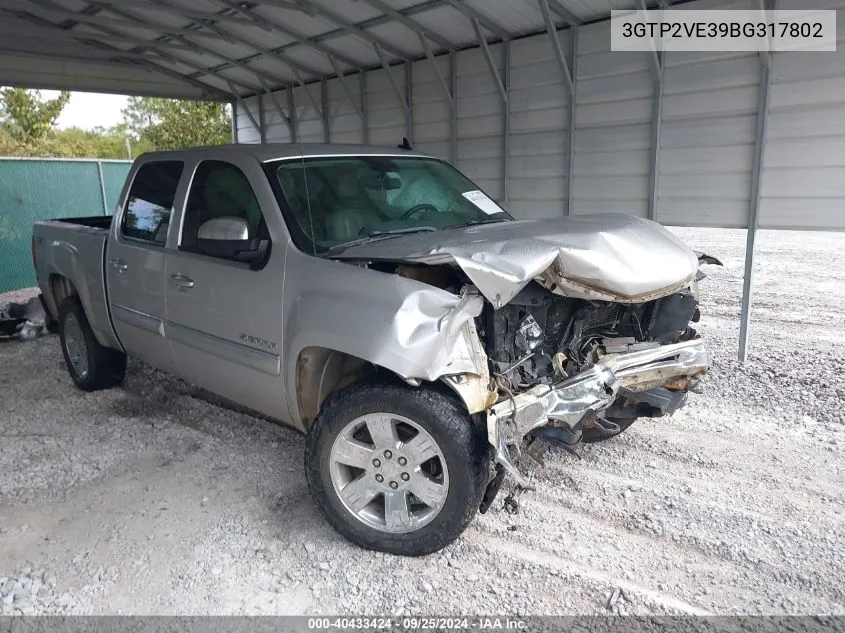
column 41, row 189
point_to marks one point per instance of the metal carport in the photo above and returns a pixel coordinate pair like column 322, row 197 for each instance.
column 525, row 96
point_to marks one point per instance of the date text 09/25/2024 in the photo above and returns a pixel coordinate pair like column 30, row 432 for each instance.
column 417, row 623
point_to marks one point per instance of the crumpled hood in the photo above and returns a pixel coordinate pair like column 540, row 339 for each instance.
column 610, row 257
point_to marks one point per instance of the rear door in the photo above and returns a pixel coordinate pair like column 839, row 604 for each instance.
column 224, row 316
column 136, row 259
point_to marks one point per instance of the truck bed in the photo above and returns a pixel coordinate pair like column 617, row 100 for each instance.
column 70, row 256
column 94, row 221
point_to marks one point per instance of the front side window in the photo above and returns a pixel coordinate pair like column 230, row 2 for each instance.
column 150, row 201
column 335, row 200
column 222, row 207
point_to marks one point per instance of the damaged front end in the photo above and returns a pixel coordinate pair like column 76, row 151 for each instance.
column 585, row 324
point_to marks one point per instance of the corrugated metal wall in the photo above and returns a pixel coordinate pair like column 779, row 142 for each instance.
column 707, row 136
column 803, row 182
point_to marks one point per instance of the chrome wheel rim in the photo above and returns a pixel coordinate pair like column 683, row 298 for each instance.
column 77, row 352
column 389, row 473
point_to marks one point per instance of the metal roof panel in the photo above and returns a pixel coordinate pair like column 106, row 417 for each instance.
column 516, row 18
column 449, row 23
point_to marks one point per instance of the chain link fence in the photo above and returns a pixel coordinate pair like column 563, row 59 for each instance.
column 41, row 189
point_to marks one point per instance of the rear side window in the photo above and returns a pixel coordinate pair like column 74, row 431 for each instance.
column 150, row 202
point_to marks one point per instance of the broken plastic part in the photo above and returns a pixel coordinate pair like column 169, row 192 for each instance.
column 589, row 392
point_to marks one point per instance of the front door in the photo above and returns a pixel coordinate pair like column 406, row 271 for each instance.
column 224, row 316
column 136, row 259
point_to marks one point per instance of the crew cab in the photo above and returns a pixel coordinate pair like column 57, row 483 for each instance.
column 381, row 303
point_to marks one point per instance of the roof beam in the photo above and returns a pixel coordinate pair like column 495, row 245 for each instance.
column 211, row 90
column 353, row 29
column 46, row 29
column 561, row 58
column 301, row 38
column 343, row 84
column 491, row 65
column 244, row 107
column 359, row 29
column 286, row 119
column 400, row 96
column 189, row 15
column 411, row 24
column 565, row 14
column 237, row 62
column 450, row 99
column 14, row 6
column 471, row 12
column 11, row 46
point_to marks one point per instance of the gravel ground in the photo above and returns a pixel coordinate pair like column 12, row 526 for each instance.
column 151, row 499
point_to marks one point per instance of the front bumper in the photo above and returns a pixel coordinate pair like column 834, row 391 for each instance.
column 570, row 402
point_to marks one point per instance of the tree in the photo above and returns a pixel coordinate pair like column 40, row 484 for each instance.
column 173, row 124
column 27, row 117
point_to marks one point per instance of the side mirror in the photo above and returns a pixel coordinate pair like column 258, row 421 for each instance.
column 224, row 229
column 228, row 238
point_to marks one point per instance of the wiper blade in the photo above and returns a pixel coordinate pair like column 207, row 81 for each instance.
column 376, row 236
column 477, row 222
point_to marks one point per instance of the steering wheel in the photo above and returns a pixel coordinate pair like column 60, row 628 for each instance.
column 418, row 208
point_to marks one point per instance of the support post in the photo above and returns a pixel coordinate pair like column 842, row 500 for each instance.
column 245, row 109
column 262, row 127
column 571, row 123
column 409, row 102
column 102, row 187
column 656, row 126
column 234, row 105
column 506, row 121
column 754, row 206
column 324, row 115
column 365, row 115
column 292, row 116
column 453, row 118
column 657, row 59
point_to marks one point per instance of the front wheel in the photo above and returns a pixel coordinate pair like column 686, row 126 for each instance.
column 394, row 468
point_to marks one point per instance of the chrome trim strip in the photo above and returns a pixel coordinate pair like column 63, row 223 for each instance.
column 136, row 318
column 257, row 359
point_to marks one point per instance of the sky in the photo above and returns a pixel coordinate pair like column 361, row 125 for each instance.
column 88, row 110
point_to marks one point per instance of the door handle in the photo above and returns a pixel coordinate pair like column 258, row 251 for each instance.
column 182, row 281
column 121, row 265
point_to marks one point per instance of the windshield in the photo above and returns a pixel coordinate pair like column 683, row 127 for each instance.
column 342, row 199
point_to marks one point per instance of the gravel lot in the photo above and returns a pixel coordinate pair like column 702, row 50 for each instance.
column 151, row 499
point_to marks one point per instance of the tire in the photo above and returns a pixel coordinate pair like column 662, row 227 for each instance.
column 91, row 366
column 443, row 420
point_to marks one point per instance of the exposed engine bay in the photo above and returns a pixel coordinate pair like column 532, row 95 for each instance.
column 538, row 335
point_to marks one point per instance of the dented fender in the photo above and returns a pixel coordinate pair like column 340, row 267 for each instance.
column 417, row 331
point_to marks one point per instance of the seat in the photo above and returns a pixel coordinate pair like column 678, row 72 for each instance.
column 349, row 210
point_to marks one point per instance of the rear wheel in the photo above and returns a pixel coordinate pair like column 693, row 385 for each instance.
column 90, row 365
column 395, row 469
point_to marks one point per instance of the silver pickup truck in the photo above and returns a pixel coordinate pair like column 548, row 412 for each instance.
column 377, row 300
